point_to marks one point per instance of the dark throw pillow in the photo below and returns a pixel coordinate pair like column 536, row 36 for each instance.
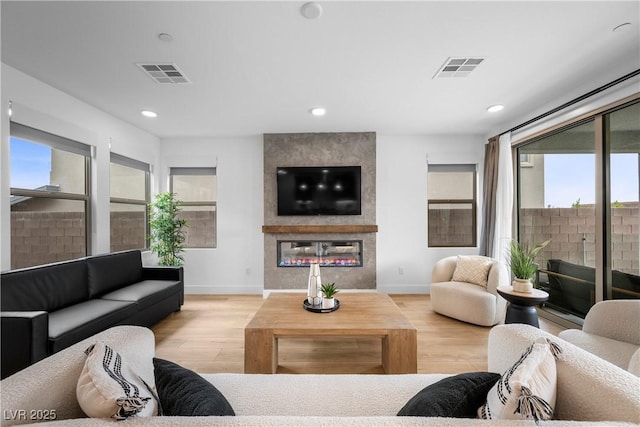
column 185, row 393
column 458, row 396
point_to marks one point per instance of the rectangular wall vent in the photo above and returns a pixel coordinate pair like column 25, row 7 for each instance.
column 164, row 73
column 458, row 67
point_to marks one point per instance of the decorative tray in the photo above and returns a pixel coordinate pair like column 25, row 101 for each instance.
column 318, row 308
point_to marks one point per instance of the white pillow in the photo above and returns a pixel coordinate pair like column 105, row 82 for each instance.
column 472, row 269
column 527, row 390
column 108, row 388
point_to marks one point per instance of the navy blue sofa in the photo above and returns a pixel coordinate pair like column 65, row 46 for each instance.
column 47, row 308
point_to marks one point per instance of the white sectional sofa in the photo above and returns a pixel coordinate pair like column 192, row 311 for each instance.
column 590, row 390
column 611, row 330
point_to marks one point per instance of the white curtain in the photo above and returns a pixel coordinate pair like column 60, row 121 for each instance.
column 504, row 200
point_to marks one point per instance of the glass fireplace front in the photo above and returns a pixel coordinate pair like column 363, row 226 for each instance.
column 342, row 253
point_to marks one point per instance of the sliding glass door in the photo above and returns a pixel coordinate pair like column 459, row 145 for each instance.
column 579, row 186
column 557, row 201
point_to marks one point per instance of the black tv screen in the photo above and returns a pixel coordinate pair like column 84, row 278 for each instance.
column 333, row 190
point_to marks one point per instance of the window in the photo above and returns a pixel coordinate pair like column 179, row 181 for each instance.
column 129, row 190
column 451, row 205
column 583, row 193
column 49, row 197
column 196, row 188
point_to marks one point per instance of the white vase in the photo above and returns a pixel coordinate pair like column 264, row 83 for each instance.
column 314, row 286
column 328, row 302
column 522, row 285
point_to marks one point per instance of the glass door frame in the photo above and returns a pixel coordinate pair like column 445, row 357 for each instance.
column 603, row 231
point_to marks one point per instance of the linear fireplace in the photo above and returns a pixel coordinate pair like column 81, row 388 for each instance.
column 332, row 253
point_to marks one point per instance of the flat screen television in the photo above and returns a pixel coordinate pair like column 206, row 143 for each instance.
column 331, row 190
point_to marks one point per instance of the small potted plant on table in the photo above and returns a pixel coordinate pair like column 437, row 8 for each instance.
column 521, row 259
column 328, row 291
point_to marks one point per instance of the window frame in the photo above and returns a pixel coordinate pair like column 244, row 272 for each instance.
column 56, row 142
column 197, row 171
column 458, row 167
column 146, row 168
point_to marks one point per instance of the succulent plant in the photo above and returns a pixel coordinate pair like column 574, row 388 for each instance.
column 329, row 290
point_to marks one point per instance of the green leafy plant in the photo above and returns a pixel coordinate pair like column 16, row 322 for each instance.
column 617, row 204
column 167, row 235
column 576, row 204
column 521, row 258
column 329, row 290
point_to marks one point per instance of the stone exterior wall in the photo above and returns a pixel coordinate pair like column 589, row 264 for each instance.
column 128, row 231
column 450, row 227
column 45, row 237
column 572, row 234
column 201, row 232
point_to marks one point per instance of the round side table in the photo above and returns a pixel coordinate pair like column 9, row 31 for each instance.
column 521, row 307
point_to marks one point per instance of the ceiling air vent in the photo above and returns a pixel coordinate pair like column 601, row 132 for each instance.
column 164, row 73
column 458, row 67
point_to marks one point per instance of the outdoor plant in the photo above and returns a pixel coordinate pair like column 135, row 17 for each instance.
column 329, row 290
column 167, row 235
column 521, row 258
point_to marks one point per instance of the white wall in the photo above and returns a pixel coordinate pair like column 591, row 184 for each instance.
column 404, row 260
column 43, row 107
column 236, row 265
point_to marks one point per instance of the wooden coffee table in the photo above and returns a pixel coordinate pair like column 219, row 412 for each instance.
column 366, row 314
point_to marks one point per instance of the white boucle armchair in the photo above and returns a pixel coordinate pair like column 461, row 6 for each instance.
column 467, row 301
column 611, row 331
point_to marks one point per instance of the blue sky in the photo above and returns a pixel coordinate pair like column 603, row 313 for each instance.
column 569, row 177
column 30, row 164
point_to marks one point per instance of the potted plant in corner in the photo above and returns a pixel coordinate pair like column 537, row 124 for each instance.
column 328, row 291
column 521, row 260
column 167, row 235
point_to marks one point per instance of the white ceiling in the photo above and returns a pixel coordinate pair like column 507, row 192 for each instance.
column 259, row 67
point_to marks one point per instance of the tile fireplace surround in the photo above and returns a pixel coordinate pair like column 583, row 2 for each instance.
column 320, row 149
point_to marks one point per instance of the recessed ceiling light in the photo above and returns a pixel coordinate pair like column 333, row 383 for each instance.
column 311, row 10
column 165, row 37
column 149, row 113
column 495, row 108
column 622, row 27
column 318, row 111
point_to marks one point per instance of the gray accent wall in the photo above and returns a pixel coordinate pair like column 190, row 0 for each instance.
column 320, row 149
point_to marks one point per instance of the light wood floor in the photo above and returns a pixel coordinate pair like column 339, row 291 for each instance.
column 208, row 336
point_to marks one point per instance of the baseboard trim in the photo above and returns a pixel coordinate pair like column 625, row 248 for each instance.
column 405, row 289
column 223, row 290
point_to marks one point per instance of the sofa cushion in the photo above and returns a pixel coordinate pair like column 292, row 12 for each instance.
column 80, row 321
column 617, row 352
column 113, row 271
column 472, row 269
column 459, row 396
column 527, row 390
column 47, row 288
column 109, row 388
column 183, row 392
column 145, row 293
